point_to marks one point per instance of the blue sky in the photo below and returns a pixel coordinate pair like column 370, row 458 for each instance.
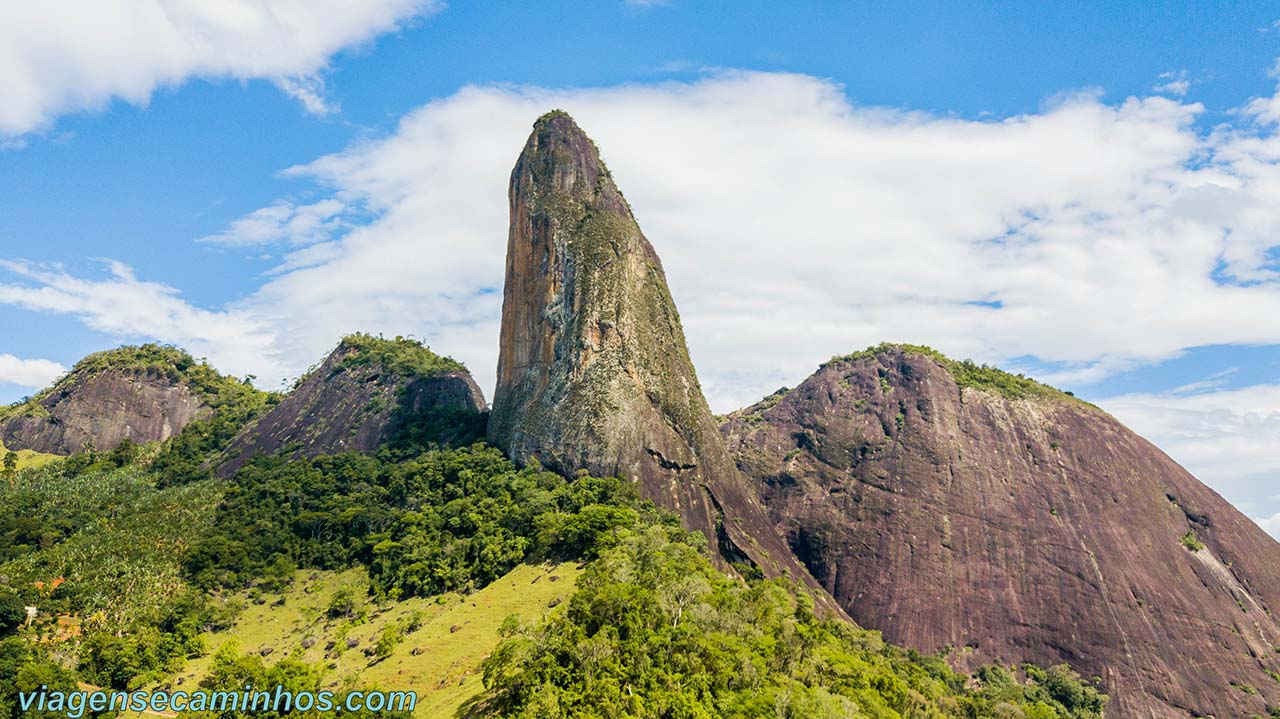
column 1081, row 193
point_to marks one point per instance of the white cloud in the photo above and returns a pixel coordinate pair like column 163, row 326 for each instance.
column 1271, row 524
column 795, row 226
column 1227, row 438
column 308, row 90
column 33, row 373
column 123, row 306
column 284, row 222
column 73, row 55
column 1173, row 83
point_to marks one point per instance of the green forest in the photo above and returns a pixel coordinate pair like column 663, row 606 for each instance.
column 131, row 556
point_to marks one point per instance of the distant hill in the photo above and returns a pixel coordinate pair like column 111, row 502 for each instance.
column 143, row 393
column 367, row 392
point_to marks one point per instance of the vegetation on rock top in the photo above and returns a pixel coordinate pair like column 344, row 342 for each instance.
column 402, row 356
column 967, row 373
column 162, row 361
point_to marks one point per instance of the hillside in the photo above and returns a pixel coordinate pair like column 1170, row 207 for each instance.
column 367, row 392
column 24, row 458
column 433, row 645
column 959, row 508
column 450, row 572
column 141, row 394
column 599, row 545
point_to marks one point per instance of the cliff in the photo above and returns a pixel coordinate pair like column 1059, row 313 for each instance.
column 958, row 508
column 593, row 371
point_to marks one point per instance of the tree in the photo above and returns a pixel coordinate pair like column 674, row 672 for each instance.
column 10, row 466
column 12, row 612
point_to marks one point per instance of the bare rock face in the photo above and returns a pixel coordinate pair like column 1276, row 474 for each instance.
column 1009, row 522
column 593, row 372
column 142, row 394
column 357, row 399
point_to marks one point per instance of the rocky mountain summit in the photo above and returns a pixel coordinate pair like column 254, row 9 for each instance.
column 142, row 394
column 953, row 507
column 593, row 371
column 365, row 392
column 958, row 508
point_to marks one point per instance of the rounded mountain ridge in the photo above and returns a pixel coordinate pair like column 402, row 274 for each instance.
column 368, row 391
column 139, row 393
column 1001, row 520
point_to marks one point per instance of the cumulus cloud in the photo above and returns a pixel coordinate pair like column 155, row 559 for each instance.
column 1173, row 83
column 31, row 373
column 73, row 55
column 1227, row 437
column 123, row 306
column 794, row 226
column 284, row 222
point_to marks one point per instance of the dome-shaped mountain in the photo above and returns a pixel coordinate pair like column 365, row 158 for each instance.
column 143, row 394
column 955, row 507
column 593, row 371
column 365, row 393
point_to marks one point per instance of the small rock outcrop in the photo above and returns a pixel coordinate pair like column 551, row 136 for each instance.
column 955, row 507
column 364, row 393
column 142, row 394
column 593, row 372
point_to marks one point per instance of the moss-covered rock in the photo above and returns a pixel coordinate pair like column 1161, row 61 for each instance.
column 967, row 373
column 593, row 370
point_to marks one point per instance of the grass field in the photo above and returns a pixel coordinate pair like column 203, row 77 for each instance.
column 440, row 660
column 29, row 458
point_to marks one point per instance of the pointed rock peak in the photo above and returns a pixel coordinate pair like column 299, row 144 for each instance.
column 593, row 370
column 560, row 162
column 558, row 123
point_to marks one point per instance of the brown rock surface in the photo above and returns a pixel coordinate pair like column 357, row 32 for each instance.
column 1033, row 529
column 356, row 400
column 593, row 372
column 105, row 400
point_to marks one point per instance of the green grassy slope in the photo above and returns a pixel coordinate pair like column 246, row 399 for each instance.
column 440, row 659
column 29, row 458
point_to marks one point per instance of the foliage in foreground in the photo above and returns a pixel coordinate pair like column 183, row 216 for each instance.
column 232, row 671
column 453, row 519
column 653, row 630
